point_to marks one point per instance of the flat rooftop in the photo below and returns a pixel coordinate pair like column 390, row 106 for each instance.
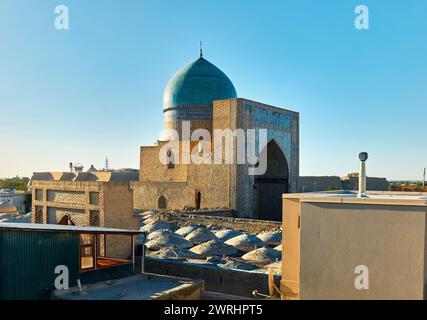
column 138, row 287
column 116, row 176
column 64, row 228
column 373, row 197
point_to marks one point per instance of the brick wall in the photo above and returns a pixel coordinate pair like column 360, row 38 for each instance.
column 220, row 185
column 244, row 225
column 118, row 209
column 233, row 282
column 113, row 206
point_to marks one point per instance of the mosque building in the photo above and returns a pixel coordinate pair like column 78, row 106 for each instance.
column 201, row 96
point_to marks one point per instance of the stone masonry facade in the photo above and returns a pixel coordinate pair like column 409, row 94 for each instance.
column 87, row 203
column 225, row 186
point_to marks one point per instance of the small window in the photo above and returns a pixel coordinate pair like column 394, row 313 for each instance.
column 161, row 202
column 39, row 194
column 198, row 200
column 171, row 159
column 200, row 146
column 94, row 198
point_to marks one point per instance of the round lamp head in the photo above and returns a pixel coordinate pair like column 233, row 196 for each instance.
column 363, row 156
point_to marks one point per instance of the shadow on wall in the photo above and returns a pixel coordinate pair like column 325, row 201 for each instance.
column 270, row 187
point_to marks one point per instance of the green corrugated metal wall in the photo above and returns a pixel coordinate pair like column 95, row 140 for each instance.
column 28, row 261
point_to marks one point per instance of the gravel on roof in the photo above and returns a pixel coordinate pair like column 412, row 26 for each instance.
column 149, row 221
column 173, row 253
column 214, row 248
column 265, row 255
column 156, row 226
column 271, row 238
column 200, row 235
column 245, row 242
column 227, row 234
column 168, row 240
column 239, row 265
column 148, row 213
column 158, row 233
column 185, row 231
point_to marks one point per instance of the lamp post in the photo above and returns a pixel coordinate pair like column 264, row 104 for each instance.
column 363, row 156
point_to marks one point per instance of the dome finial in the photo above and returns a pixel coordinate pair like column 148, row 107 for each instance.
column 201, row 49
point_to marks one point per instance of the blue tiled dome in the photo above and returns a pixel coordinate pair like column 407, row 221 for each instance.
column 199, row 83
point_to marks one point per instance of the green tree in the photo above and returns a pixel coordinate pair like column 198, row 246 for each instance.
column 14, row 183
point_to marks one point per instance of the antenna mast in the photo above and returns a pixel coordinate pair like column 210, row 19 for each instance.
column 107, row 164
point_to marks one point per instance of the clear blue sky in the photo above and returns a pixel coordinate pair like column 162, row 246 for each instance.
column 96, row 89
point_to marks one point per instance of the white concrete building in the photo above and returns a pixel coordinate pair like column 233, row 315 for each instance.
column 19, row 199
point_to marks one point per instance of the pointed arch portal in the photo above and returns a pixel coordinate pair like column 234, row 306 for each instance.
column 270, row 186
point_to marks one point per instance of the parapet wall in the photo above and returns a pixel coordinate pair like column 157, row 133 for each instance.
column 223, row 222
column 329, row 183
column 233, row 282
